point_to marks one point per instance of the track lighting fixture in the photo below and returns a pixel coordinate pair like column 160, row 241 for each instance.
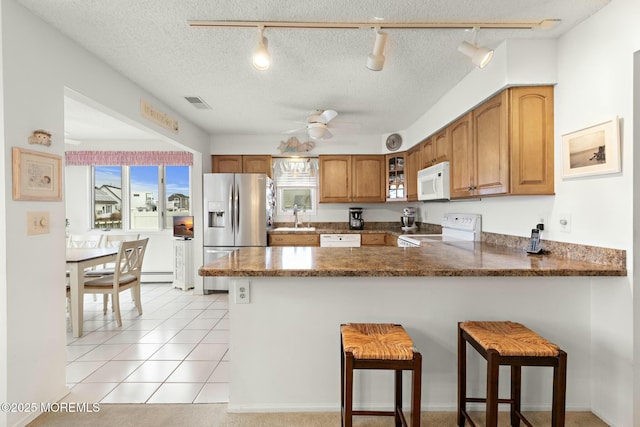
column 261, row 57
column 375, row 60
column 480, row 56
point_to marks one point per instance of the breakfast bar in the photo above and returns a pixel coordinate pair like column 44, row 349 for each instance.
column 284, row 335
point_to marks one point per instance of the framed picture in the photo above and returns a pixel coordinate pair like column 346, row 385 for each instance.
column 36, row 175
column 592, row 151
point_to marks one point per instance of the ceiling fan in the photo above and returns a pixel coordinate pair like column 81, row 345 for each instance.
column 317, row 124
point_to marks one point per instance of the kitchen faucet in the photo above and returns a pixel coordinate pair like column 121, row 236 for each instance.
column 296, row 219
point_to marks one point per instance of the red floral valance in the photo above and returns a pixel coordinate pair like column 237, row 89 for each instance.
column 128, row 158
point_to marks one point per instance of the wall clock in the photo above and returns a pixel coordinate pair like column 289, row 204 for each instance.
column 394, row 141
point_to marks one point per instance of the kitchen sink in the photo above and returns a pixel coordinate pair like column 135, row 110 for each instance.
column 295, row 229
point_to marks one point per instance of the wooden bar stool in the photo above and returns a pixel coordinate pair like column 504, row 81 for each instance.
column 511, row 344
column 379, row 346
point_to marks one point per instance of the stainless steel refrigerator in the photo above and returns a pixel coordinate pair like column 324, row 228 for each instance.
column 237, row 211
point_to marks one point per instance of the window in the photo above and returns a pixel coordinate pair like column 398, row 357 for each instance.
column 107, row 197
column 296, row 182
column 155, row 195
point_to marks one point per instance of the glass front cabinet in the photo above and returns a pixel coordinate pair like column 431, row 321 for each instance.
column 396, row 185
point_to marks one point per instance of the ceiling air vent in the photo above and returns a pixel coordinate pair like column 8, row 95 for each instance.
column 197, row 102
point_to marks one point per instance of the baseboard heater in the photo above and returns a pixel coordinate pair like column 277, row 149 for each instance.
column 156, row 277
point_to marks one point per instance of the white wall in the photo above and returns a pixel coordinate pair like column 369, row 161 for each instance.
column 306, row 347
column 38, row 64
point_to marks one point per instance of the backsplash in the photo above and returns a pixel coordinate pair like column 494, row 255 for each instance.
column 616, row 257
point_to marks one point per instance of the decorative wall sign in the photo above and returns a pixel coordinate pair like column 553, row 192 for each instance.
column 592, row 151
column 36, row 175
column 294, row 146
column 41, row 137
column 158, row 117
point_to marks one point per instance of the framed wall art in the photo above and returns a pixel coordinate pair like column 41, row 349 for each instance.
column 36, row 175
column 592, row 151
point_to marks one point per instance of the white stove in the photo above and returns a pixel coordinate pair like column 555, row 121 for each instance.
column 455, row 228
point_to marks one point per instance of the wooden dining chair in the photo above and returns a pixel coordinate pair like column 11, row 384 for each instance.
column 83, row 241
column 126, row 276
column 111, row 241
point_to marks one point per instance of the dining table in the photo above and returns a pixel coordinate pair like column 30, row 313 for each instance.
column 78, row 260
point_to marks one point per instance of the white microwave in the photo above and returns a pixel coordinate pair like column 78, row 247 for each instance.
column 433, row 182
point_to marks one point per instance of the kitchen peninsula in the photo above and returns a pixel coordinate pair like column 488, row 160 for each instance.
column 284, row 342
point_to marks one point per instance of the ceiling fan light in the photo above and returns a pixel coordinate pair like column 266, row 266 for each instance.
column 261, row 58
column 316, row 130
column 375, row 60
column 480, row 56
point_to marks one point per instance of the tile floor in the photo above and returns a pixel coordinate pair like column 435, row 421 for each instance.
column 176, row 352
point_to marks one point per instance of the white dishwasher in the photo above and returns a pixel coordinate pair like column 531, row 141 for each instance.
column 340, row 240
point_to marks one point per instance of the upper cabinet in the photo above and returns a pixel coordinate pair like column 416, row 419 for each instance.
column 505, row 145
column 462, row 163
column 531, row 140
column 436, row 148
column 346, row 179
column 241, row 164
column 413, row 165
column 396, row 177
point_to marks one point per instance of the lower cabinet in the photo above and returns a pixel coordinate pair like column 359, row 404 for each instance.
column 297, row 239
column 372, row 239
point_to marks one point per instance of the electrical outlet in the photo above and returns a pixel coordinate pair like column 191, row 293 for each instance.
column 37, row 223
column 242, row 291
column 565, row 222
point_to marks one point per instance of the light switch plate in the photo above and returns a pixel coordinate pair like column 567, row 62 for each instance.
column 37, row 223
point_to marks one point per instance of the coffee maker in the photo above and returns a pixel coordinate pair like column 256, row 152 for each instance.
column 408, row 219
column 355, row 219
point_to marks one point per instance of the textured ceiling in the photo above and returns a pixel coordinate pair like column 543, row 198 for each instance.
column 150, row 42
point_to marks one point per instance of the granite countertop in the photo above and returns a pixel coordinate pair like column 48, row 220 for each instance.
column 433, row 259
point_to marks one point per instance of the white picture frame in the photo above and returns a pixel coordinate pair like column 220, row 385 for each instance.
column 594, row 150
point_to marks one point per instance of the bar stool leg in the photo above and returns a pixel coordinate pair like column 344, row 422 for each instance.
column 462, row 377
column 493, row 370
column 398, row 394
column 416, row 389
column 516, row 386
column 559, row 390
column 348, row 400
column 342, row 383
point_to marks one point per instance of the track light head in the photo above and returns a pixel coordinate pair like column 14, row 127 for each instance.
column 261, row 58
column 375, row 60
column 480, row 56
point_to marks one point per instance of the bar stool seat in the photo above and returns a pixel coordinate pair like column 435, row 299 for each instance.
column 379, row 346
column 515, row 345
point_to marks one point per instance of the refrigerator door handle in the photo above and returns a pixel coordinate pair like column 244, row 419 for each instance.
column 232, row 205
column 238, row 208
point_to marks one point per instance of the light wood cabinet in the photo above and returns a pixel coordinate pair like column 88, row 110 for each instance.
column 390, row 240
column 462, row 167
column 505, row 145
column 396, row 177
column 241, row 164
column 345, row 179
column 226, row 164
column 372, row 239
column 531, row 140
column 436, row 148
column 413, row 165
column 491, row 147
column 294, row 239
